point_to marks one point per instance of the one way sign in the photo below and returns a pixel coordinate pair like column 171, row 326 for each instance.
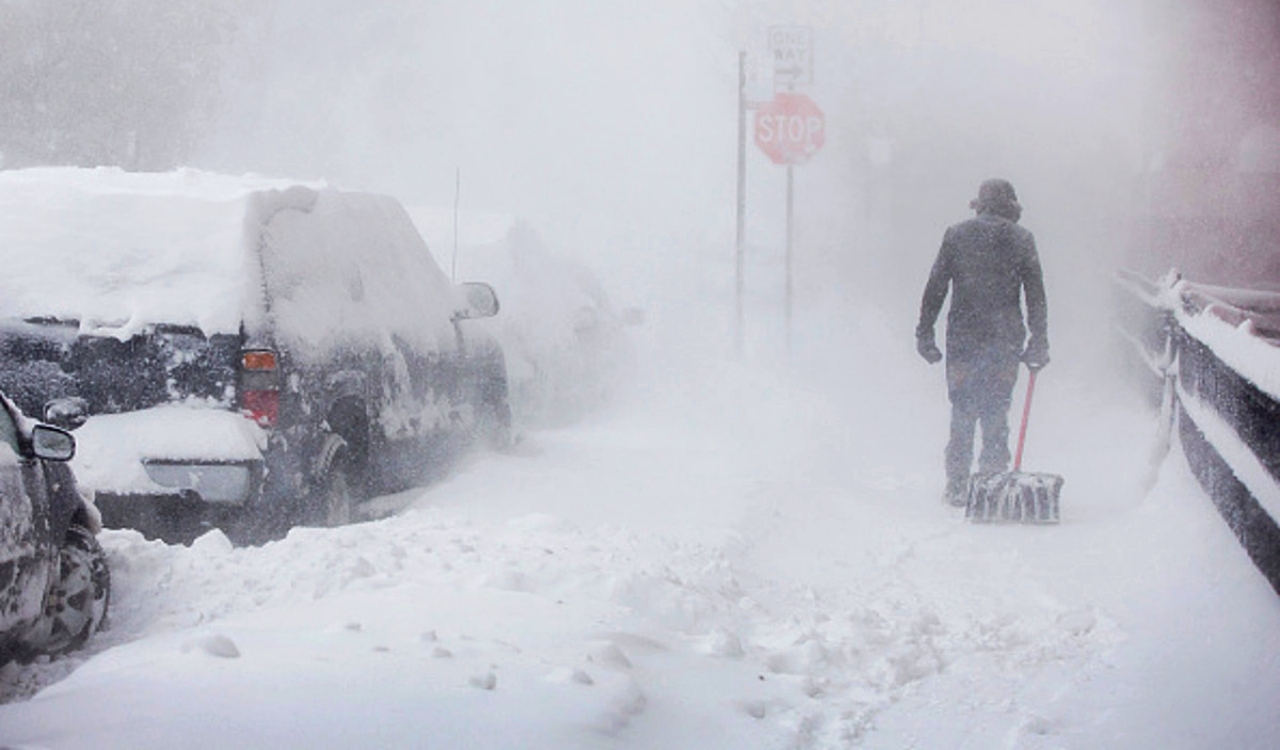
column 792, row 48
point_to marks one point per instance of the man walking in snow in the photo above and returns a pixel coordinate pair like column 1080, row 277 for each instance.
column 989, row 263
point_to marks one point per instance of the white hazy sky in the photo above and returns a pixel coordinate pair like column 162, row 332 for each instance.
column 570, row 110
column 612, row 127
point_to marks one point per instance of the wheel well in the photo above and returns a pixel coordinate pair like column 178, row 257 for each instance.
column 347, row 418
column 87, row 519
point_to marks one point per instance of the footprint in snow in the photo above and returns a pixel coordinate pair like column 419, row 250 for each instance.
column 214, row 645
column 486, row 681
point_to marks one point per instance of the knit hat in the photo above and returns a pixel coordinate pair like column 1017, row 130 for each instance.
column 998, row 197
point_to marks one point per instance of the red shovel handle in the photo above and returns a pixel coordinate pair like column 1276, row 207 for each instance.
column 1026, row 412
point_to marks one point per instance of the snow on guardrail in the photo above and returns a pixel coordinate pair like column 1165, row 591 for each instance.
column 1217, row 352
column 1246, row 339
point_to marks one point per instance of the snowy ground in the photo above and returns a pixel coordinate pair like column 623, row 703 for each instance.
column 733, row 556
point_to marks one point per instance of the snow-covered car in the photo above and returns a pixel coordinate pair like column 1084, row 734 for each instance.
column 54, row 580
column 238, row 352
column 565, row 341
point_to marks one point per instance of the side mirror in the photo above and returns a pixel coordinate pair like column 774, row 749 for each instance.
column 68, row 412
column 481, row 301
column 52, row 443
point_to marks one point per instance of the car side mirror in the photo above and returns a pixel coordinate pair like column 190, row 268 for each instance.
column 68, row 412
column 52, row 443
column 481, row 301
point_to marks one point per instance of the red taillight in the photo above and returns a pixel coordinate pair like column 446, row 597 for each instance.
column 259, row 386
column 258, row 359
column 262, row 407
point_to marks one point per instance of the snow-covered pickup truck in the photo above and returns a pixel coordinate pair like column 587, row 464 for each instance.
column 238, row 352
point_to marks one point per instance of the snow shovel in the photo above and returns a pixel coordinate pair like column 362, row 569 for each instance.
column 1014, row 496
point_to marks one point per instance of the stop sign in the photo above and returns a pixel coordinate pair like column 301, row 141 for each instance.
column 790, row 128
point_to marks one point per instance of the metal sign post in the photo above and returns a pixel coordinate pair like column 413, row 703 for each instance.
column 799, row 127
column 790, row 235
column 789, row 129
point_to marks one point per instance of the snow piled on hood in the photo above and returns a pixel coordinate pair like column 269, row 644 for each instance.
column 111, row 448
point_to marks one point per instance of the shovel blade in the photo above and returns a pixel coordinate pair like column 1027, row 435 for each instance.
column 1013, row 497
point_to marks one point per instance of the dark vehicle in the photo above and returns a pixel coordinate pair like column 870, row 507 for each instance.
column 240, row 353
column 54, row 582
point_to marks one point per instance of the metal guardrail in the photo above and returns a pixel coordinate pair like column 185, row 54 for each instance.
column 1225, row 405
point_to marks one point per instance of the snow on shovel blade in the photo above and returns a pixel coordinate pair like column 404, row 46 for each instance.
column 1013, row 497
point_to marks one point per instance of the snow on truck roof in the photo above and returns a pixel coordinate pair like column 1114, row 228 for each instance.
column 118, row 251
column 115, row 249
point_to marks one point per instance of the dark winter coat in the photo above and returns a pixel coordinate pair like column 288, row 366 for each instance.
column 989, row 263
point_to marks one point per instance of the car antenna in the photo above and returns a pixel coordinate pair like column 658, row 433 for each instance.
column 457, row 194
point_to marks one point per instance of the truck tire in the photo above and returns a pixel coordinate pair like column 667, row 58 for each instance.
column 336, row 496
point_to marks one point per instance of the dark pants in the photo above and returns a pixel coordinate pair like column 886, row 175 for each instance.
column 980, row 384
